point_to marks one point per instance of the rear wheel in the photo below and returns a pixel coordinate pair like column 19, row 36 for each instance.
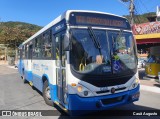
column 46, row 94
column 23, row 78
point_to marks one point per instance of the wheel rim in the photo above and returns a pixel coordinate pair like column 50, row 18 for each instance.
column 47, row 93
column 23, row 77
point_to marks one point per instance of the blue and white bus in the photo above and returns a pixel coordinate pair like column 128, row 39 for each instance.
column 82, row 60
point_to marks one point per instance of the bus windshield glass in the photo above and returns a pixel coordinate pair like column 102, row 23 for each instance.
column 124, row 57
column 115, row 54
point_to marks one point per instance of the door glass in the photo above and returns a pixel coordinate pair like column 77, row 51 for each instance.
column 60, row 70
column 63, row 52
column 60, row 53
column 57, row 51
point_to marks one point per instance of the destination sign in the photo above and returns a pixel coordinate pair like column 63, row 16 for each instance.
column 96, row 19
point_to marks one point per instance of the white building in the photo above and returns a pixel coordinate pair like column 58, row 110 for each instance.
column 158, row 13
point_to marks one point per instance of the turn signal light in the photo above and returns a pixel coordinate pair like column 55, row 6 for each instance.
column 79, row 88
column 73, row 84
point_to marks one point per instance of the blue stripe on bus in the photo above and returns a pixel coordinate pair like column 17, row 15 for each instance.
column 53, row 92
column 46, row 77
column 20, row 66
column 36, row 79
column 89, row 103
column 54, row 95
column 38, row 83
column 28, row 75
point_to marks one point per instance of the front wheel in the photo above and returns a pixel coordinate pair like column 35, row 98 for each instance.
column 46, row 94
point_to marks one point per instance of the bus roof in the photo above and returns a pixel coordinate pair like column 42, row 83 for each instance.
column 65, row 15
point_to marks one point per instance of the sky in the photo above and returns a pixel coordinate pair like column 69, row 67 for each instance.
column 42, row 12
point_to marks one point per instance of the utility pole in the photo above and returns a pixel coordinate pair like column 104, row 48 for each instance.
column 131, row 9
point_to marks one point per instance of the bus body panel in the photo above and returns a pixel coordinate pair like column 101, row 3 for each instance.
column 95, row 103
column 27, row 70
column 40, row 69
column 20, row 66
column 72, row 79
column 63, row 83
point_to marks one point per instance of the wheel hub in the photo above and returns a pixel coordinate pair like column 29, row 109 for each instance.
column 48, row 93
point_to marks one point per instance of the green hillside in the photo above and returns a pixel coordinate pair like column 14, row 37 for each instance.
column 138, row 19
column 14, row 33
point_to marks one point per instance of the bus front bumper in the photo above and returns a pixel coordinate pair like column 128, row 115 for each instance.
column 103, row 102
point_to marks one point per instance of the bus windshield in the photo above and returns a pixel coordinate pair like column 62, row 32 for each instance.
column 115, row 54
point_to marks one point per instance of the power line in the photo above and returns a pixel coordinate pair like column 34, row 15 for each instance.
column 132, row 9
column 123, row 3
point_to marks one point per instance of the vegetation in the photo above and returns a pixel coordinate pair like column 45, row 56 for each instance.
column 138, row 19
column 13, row 34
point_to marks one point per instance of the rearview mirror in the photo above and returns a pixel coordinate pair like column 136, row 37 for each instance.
column 66, row 42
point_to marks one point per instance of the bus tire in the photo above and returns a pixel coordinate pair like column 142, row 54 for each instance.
column 46, row 94
column 23, row 78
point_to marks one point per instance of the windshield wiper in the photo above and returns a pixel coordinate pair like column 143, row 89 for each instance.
column 94, row 38
column 95, row 41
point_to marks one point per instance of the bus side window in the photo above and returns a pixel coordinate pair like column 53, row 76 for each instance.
column 37, row 48
column 23, row 52
column 26, row 51
column 30, row 50
column 47, row 45
column 20, row 53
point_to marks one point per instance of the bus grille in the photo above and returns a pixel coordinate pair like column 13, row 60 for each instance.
column 112, row 100
column 107, row 91
column 104, row 82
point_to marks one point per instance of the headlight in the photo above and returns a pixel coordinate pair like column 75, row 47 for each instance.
column 134, row 83
column 83, row 91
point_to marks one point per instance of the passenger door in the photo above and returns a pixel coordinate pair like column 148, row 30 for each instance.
column 60, row 67
column 29, row 61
